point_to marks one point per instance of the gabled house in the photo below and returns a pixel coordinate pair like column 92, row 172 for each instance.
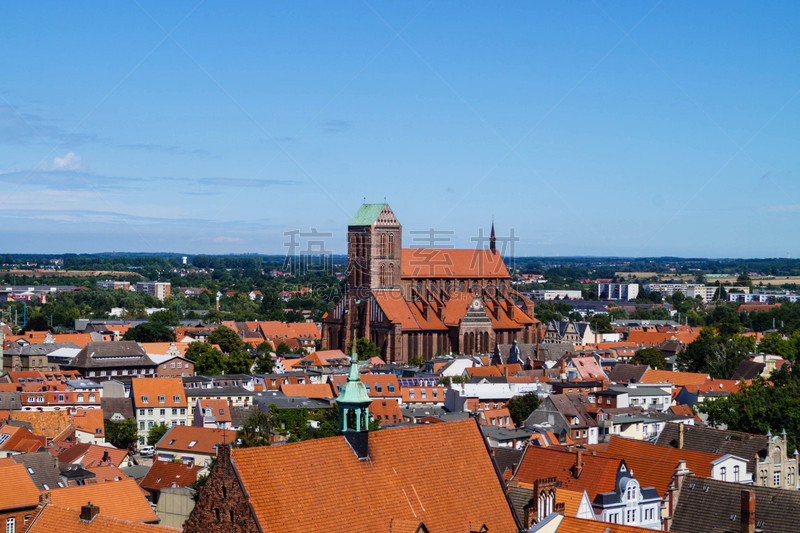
column 212, row 414
column 616, row 494
column 769, row 459
column 569, row 413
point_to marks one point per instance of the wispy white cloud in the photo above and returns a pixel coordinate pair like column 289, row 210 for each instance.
column 71, row 161
column 783, row 208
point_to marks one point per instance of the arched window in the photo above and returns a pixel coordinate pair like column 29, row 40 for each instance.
column 475, row 287
column 461, row 286
column 391, row 274
column 383, row 244
column 383, row 275
column 391, row 244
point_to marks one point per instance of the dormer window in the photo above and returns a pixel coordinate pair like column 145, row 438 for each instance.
column 145, row 399
column 162, row 399
column 176, row 399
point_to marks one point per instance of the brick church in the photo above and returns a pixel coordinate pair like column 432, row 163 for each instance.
column 424, row 301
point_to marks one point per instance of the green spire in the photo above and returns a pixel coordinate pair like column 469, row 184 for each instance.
column 354, row 397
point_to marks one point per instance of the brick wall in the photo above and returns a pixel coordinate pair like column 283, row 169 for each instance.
column 222, row 505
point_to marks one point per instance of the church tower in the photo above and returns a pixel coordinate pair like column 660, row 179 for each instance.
column 373, row 250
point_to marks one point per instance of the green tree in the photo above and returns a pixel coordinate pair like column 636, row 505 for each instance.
column 238, row 363
column 228, row 340
column 601, row 323
column 35, row 323
column 775, row 344
column 165, row 318
column 762, row 406
column 256, row 429
column 520, row 407
column 282, row 349
column 717, row 355
column 150, row 332
column 121, row 434
column 264, row 362
column 156, row 433
column 649, row 356
column 210, row 363
column 365, row 348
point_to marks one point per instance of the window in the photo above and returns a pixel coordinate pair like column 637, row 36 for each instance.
column 10, row 525
column 145, row 399
column 183, row 410
column 378, row 387
column 60, row 397
column 736, row 473
column 27, row 519
column 180, row 364
column 390, row 387
column 150, row 424
column 30, row 399
column 411, row 393
column 172, row 364
column 161, row 399
column 776, row 479
column 150, row 412
column 423, row 393
column 192, row 444
column 141, row 425
column 630, row 492
column 164, row 366
column 40, row 398
column 92, row 397
column 163, row 412
column 80, row 398
column 435, row 393
column 174, row 411
column 613, row 518
column 722, row 473
column 630, row 517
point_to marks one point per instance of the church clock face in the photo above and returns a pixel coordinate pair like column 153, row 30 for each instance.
column 477, row 304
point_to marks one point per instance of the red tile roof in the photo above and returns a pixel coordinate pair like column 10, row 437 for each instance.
column 205, row 439
column 163, row 474
column 219, row 409
column 153, row 388
column 679, row 379
column 119, row 499
column 598, row 474
column 409, row 476
column 52, row 518
column 309, row 390
column 22, row 493
column 451, row 263
column 571, row 524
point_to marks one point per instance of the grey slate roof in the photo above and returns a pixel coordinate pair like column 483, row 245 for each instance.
column 625, row 373
column 40, row 349
column 10, row 401
column 506, row 458
column 719, row 441
column 219, row 391
column 123, row 406
column 714, row 506
column 42, row 467
column 748, row 370
column 111, row 354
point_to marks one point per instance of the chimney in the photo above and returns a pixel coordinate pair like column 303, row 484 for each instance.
column 89, row 511
column 44, row 498
column 680, row 436
column 105, row 457
column 748, row 511
column 563, row 372
column 578, row 467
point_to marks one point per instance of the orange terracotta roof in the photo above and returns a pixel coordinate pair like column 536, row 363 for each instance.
column 23, row 494
column 418, row 396
column 654, row 465
column 88, row 454
column 52, row 518
column 456, row 307
column 715, row 385
column 654, row 338
column 279, row 330
column 20, row 439
column 167, row 474
column 571, row 500
column 679, row 379
column 403, row 480
column 161, row 348
column 451, row 263
column 89, row 421
column 179, row 438
column 410, row 315
column 152, row 388
column 48, row 424
column 599, row 474
column 219, row 409
column 571, row 524
column 309, row 390
column 107, row 473
column 119, row 499
column 387, row 409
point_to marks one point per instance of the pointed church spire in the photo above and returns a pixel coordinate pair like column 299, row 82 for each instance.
column 492, row 239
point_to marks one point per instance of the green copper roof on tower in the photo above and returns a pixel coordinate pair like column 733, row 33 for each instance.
column 367, row 214
column 353, row 398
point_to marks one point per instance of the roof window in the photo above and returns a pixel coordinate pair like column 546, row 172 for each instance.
column 192, row 444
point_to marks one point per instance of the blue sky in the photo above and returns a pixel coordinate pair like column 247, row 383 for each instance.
column 588, row 128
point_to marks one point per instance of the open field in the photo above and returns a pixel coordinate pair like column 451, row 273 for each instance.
column 661, row 276
column 777, row 280
column 68, row 273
